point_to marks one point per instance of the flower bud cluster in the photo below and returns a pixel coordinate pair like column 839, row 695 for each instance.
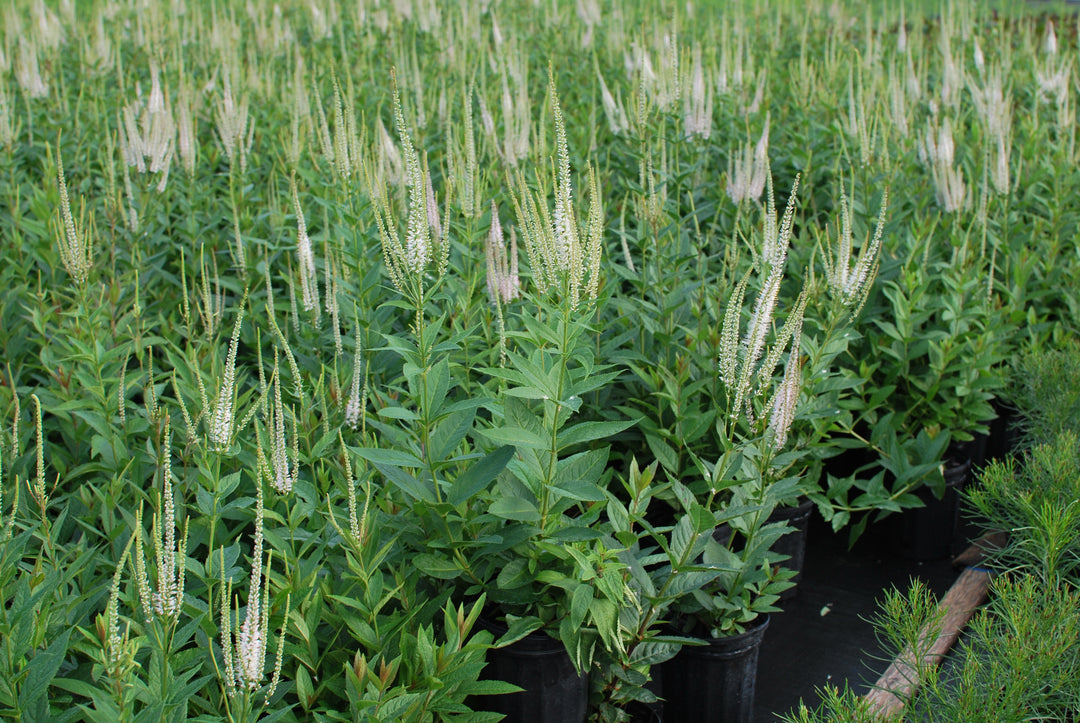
column 148, row 132
column 559, row 257
column 503, row 284
column 848, row 282
column 747, row 173
column 76, row 241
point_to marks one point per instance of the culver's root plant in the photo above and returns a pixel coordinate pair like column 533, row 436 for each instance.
column 545, row 560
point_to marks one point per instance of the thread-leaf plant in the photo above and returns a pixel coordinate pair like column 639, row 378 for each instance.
column 545, row 565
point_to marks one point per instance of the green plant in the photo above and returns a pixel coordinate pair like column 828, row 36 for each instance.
column 544, row 550
column 1035, row 500
column 1044, row 388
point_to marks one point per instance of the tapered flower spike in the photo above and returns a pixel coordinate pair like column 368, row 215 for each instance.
column 408, row 259
column 738, row 363
column 851, row 283
column 748, row 173
column 353, row 407
column 503, row 284
column 729, row 336
column 305, row 254
column 39, row 492
column 76, row 240
column 187, row 129
column 244, row 643
column 170, row 553
column 283, row 475
column 1050, row 44
column 222, row 420
column 226, row 629
column 417, row 246
column 557, row 255
column 234, row 128
column 119, row 649
column 786, row 399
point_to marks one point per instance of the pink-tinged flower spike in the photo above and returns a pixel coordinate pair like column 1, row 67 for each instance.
column 187, row 131
column 8, row 126
column 28, row 73
column 698, row 103
column 1050, row 44
column 748, row 172
column 235, row 131
column 503, row 284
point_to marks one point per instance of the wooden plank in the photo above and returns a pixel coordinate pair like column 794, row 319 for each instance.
column 977, row 552
column 900, row 681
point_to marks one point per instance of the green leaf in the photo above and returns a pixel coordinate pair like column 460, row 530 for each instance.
column 41, row 670
column 324, row 443
column 436, row 566
column 590, row 432
column 513, row 575
column 398, row 413
column 581, row 491
column 517, row 628
column 305, row 691
column 516, row 436
column 579, row 604
column 576, row 533
column 527, row 392
column 492, row 687
column 449, row 432
column 408, row 484
column 518, row 509
column 479, row 475
column 391, row 457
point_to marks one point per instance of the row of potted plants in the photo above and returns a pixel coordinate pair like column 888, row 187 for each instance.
column 1018, row 658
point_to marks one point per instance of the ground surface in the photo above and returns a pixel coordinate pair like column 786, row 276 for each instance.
column 804, row 649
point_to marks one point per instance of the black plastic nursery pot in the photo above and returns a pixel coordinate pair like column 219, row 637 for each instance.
column 553, row 692
column 928, row 532
column 793, row 544
column 714, row 682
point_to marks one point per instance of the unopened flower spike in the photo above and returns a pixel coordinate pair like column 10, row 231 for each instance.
column 76, row 239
